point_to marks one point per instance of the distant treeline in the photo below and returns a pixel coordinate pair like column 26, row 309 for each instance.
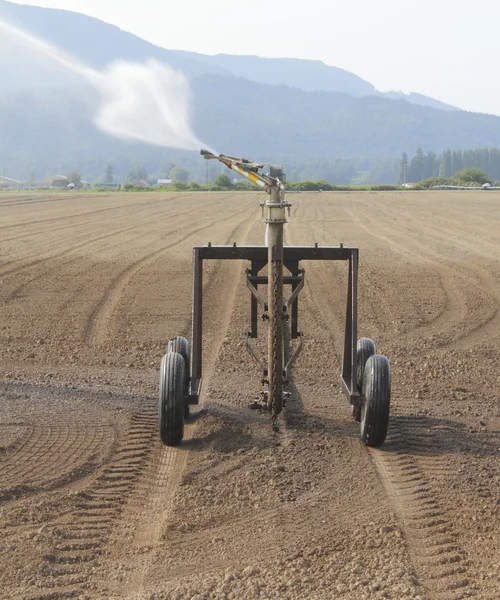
column 364, row 171
column 299, row 186
column 470, row 177
column 424, row 166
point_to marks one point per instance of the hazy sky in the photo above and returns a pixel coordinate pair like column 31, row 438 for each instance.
column 447, row 49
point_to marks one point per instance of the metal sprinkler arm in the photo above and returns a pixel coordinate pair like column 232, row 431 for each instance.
column 245, row 168
column 275, row 218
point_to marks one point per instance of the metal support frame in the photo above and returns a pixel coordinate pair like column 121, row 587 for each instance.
column 276, row 256
column 258, row 257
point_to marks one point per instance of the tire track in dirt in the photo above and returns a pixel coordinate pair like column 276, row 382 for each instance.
column 478, row 257
column 473, row 268
column 488, row 330
column 42, row 199
column 83, row 463
column 140, row 479
column 472, row 272
column 51, row 458
column 93, row 465
column 458, row 233
column 98, row 211
column 453, row 321
column 61, row 255
column 48, row 449
column 75, row 249
column 152, row 513
column 95, row 330
column 454, row 309
column 88, row 242
column 47, row 231
column 72, row 557
column 440, row 561
column 51, row 230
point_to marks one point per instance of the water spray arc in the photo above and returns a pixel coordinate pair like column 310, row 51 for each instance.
column 147, row 102
column 366, row 376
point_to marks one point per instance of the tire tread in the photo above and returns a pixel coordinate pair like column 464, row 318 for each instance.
column 171, row 406
column 377, row 393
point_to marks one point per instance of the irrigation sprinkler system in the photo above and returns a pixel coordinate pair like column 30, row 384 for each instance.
column 366, row 376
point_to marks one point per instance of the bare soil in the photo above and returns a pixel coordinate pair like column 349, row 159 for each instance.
column 92, row 505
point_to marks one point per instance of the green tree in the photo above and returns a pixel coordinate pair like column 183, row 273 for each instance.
column 472, row 175
column 445, row 164
column 431, row 167
column 403, row 169
column 416, row 172
column 75, row 178
column 110, row 174
column 178, row 173
column 224, row 182
column 180, row 185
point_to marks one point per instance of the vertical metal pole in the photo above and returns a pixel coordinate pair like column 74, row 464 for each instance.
column 295, row 304
column 197, row 325
column 350, row 366
column 354, row 326
column 275, row 220
column 253, row 303
column 347, row 373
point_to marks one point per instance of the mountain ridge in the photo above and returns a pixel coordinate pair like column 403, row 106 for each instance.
column 69, row 31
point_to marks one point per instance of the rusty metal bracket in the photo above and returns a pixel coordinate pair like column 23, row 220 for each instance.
column 295, row 355
column 255, row 293
column 253, row 354
column 294, row 294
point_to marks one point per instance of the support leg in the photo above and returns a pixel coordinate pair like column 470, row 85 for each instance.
column 197, row 333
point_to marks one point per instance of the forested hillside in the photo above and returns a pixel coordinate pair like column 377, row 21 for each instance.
column 318, row 135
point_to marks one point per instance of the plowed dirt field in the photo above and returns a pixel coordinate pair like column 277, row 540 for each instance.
column 92, row 505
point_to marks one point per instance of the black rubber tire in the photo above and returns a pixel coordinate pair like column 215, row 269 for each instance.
column 181, row 345
column 377, row 393
column 171, row 406
column 365, row 349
